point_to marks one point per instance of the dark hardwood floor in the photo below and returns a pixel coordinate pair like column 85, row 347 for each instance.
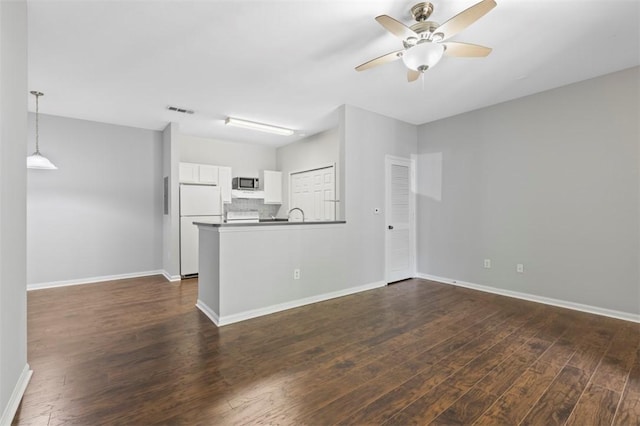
column 138, row 352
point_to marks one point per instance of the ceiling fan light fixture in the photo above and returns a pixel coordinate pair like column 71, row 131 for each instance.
column 422, row 41
column 423, row 56
column 261, row 127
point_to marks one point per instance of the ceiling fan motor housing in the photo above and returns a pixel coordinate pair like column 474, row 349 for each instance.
column 421, row 11
column 424, row 30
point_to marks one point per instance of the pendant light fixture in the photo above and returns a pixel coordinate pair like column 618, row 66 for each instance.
column 37, row 160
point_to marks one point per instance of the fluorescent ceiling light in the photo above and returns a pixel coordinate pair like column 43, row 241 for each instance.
column 261, row 127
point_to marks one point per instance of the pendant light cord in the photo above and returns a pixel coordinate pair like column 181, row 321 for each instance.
column 37, row 95
column 37, row 127
column 37, row 160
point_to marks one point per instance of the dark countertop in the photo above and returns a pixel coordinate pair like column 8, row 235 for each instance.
column 268, row 222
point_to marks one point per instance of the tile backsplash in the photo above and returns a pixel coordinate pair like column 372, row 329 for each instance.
column 246, row 204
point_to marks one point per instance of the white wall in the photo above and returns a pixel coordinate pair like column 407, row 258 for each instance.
column 245, row 159
column 551, row 181
column 14, row 370
column 313, row 152
column 368, row 138
column 171, row 221
column 100, row 213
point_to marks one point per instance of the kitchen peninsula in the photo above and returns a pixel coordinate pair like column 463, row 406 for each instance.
column 254, row 269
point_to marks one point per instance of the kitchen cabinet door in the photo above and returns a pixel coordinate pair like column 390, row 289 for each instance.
column 224, row 180
column 208, row 174
column 271, row 182
column 188, row 173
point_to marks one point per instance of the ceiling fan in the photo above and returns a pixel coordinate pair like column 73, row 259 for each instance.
column 425, row 42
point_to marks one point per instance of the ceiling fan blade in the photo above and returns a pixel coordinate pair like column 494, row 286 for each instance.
column 389, row 57
column 467, row 50
column 412, row 75
column 465, row 18
column 396, row 28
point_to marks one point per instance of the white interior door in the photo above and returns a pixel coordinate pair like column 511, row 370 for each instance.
column 314, row 192
column 399, row 218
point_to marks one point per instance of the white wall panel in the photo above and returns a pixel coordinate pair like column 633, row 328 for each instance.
column 245, row 159
column 101, row 212
column 550, row 181
column 14, row 370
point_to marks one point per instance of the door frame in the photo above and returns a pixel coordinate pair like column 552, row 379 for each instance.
column 389, row 160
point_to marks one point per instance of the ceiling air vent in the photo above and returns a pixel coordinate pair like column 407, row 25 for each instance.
column 180, row 110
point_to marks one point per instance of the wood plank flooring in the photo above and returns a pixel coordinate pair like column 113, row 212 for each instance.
column 138, row 352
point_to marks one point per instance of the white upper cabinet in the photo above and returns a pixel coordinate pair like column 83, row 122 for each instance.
column 189, row 173
column 224, row 180
column 198, row 173
column 208, row 174
column 271, row 184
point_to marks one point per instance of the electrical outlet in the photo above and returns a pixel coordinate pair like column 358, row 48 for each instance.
column 520, row 268
column 296, row 274
column 487, row 263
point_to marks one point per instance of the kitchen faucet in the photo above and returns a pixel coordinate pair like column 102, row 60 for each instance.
column 295, row 208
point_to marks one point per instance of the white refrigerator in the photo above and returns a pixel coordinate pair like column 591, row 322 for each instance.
column 198, row 203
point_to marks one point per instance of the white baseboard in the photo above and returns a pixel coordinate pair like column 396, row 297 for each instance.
column 93, row 280
column 208, row 312
column 254, row 313
column 16, row 396
column 627, row 316
column 169, row 277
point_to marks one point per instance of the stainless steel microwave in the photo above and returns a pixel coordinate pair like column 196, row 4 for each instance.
column 246, row 183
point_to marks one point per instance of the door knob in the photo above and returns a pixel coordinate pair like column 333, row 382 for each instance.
column 390, row 226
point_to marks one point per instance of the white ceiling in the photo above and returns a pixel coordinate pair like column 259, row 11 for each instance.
column 291, row 62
